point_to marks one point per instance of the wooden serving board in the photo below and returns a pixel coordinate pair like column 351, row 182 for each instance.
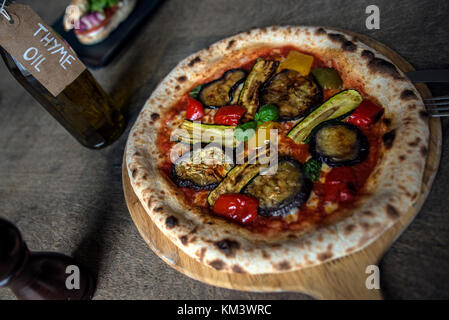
column 342, row 278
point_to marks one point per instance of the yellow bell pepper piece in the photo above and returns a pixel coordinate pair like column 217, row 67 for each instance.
column 262, row 136
column 297, row 61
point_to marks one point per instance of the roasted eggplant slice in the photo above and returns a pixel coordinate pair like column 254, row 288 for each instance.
column 236, row 179
column 338, row 143
column 216, row 94
column 294, row 94
column 235, row 91
column 249, row 97
column 288, row 188
column 201, row 168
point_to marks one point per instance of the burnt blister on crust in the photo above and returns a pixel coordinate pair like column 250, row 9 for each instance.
column 182, row 79
column 238, row 269
column 346, row 44
column 231, row 43
column 392, row 212
column 388, row 138
column 228, row 247
column 155, row 116
column 320, row 31
column 217, row 264
column 194, row 61
column 408, row 95
column 171, row 222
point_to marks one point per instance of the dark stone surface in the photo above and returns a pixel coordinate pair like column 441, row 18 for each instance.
column 69, row 199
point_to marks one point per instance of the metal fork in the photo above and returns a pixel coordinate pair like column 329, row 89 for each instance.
column 437, row 106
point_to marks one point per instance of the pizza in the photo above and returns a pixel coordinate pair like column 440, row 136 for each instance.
column 279, row 149
column 94, row 20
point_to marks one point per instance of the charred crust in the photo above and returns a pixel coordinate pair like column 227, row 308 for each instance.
column 184, row 240
column 349, row 228
column 231, row 43
column 346, row 45
column 320, row 31
column 155, row 116
column 182, row 79
column 408, row 95
column 284, row 265
column 158, row 209
column 238, row 269
column 324, row 256
column 387, row 121
column 402, row 158
column 368, row 213
column 423, row 151
column 423, row 114
column 171, row 222
column 227, row 247
column 378, row 65
column 367, row 54
column 177, row 87
column 415, row 142
column 392, row 212
column 193, row 61
column 217, row 264
column 134, row 173
column 388, row 138
column 265, row 255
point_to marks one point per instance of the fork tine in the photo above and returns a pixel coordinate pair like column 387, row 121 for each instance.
column 438, row 109
column 443, row 103
column 439, row 114
column 436, row 98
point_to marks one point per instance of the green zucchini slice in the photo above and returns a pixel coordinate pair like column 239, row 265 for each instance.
column 236, row 179
column 249, row 96
column 337, row 106
column 195, row 132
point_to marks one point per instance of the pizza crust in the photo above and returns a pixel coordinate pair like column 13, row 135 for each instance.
column 392, row 189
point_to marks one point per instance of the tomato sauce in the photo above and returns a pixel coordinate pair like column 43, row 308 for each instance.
column 307, row 215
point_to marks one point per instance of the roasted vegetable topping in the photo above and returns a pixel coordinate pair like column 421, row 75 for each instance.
column 229, row 115
column 195, row 110
column 195, row 132
column 366, row 114
column 279, row 193
column 249, row 97
column 216, row 93
column 294, row 94
column 235, row 180
column 338, row 144
column 335, row 107
column 312, row 169
column 237, row 207
column 235, row 91
column 340, row 185
column 201, row 168
column 297, row 61
column 327, row 78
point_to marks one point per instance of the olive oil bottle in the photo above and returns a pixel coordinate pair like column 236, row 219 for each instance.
column 83, row 108
column 48, row 68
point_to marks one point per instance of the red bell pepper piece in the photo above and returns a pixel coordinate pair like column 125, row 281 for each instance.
column 195, row 110
column 340, row 185
column 229, row 115
column 366, row 114
column 237, row 206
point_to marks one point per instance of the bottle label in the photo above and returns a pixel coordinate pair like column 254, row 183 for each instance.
column 39, row 49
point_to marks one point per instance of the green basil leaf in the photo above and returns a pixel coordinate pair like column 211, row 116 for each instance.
column 245, row 131
column 312, row 169
column 268, row 112
column 195, row 91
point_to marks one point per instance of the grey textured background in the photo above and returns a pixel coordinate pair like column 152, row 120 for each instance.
column 69, row 199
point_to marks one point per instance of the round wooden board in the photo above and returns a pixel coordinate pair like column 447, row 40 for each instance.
column 342, row 278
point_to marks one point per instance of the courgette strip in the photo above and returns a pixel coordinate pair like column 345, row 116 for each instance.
column 249, row 96
column 335, row 107
column 206, row 133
